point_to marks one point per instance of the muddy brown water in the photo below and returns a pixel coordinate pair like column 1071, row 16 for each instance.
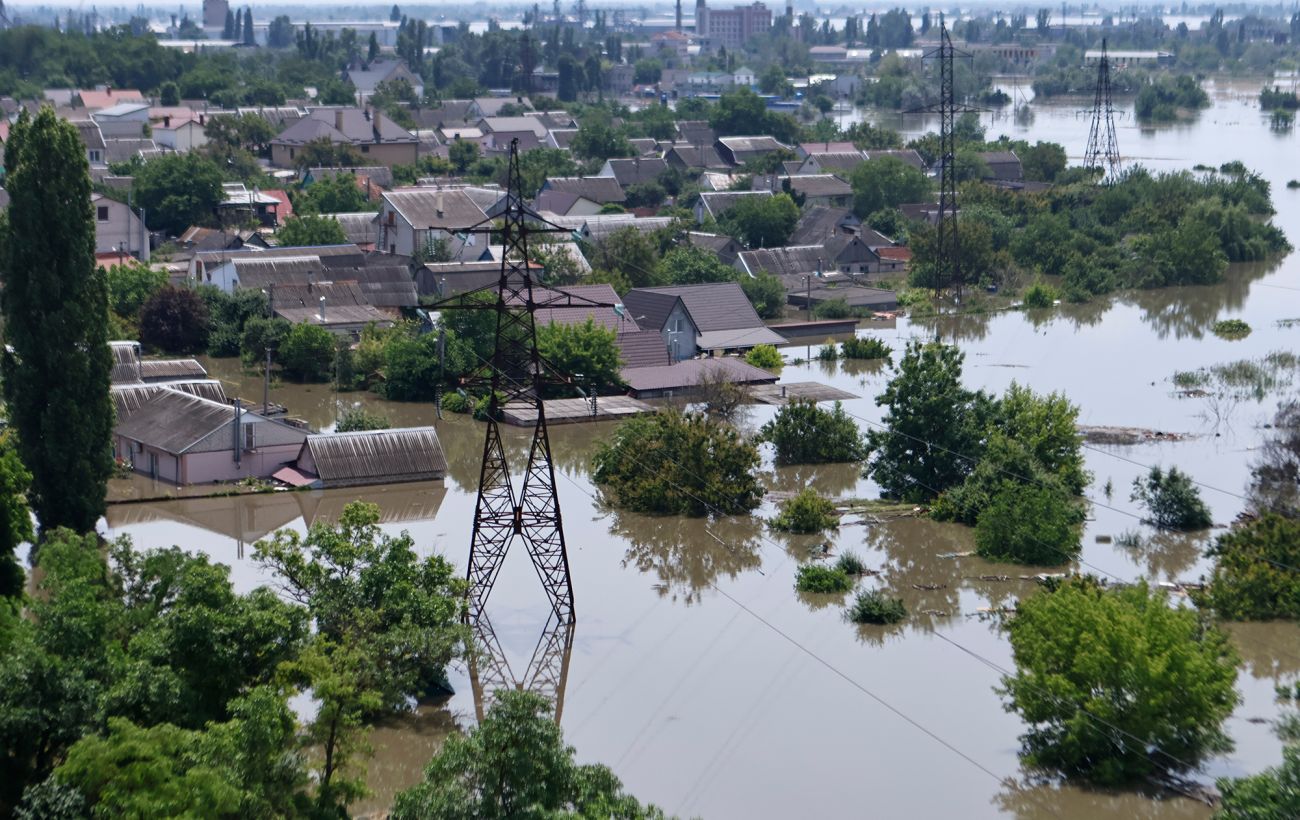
column 777, row 709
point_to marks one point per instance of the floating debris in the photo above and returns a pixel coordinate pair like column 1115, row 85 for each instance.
column 1127, row 435
column 938, row 613
column 929, row 587
column 993, row 577
column 966, row 554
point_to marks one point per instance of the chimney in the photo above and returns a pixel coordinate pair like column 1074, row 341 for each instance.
column 202, row 117
column 437, row 204
column 322, row 310
column 108, row 89
column 167, row 121
column 338, row 119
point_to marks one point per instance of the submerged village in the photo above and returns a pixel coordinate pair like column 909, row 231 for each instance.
column 688, row 410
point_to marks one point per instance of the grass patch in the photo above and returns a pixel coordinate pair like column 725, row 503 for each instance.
column 823, row 579
column 828, row 352
column 872, row 607
column 1244, row 378
column 850, row 564
column 1231, row 329
column 1188, row 379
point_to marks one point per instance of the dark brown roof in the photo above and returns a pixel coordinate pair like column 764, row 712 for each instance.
column 643, row 348
column 375, row 456
column 718, row 306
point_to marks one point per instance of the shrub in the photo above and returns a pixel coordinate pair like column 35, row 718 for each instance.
column 803, row 433
column 307, row 353
column 766, row 357
column 1273, row 793
column 873, row 607
column 174, row 320
column 860, row 347
column 1150, row 676
column 457, row 403
column 828, row 352
column 822, row 579
column 806, row 512
column 359, row 418
column 1256, row 575
column 833, row 309
column 675, row 463
column 1231, row 329
column 1171, row 500
column 850, row 564
column 1028, row 524
column 588, row 349
column 1039, row 295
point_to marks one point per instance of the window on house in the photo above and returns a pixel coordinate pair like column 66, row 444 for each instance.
column 248, row 437
column 94, row 156
column 101, row 213
column 365, row 149
column 390, row 218
column 290, row 153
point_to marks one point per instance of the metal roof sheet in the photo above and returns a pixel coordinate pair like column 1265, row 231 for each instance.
column 377, row 456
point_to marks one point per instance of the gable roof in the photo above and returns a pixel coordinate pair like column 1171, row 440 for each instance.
column 643, row 348
column 637, row 171
column 360, row 127
column 816, row 185
column 818, row 223
column 376, row 456
column 108, row 97
column 359, row 227
column 742, row 149
column 427, row 208
column 908, row 155
column 788, row 261
column 177, row 422
column 695, row 132
column 495, row 125
column 606, row 317
column 601, row 190
column 827, row 147
column 717, row 203
column 366, row 78
column 697, row 156
column 712, row 307
column 846, row 161
column 91, row 136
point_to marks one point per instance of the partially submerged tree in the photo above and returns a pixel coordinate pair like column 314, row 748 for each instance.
column 1143, row 688
column 1256, row 574
column 1171, row 500
column 55, row 358
column 804, row 433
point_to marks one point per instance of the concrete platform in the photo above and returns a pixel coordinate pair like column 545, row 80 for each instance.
column 569, row 411
column 782, row 393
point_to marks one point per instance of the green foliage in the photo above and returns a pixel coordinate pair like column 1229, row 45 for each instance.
column 804, row 433
column 359, row 418
column 370, row 590
column 887, row 182
column 682, row 464
column 818, row 578
column 691, row 265
column 1255, row 576
column 333, row 194
column 864, row 347
column 631, row 255
column 832, row 309
column 743, row 113
column 1104, row 676
column 597, row 139
column 1161, row 98
column 1039, row 295
column 806, row 512
column 260, row 334
column 850, row 564
column 130, row 284
column 1273, row 793
column 1028, row 524
column 410, row 364
column 515, row 762
column 55, row 359
column 766, row 293
column 306, row 230
column 761, row 221
column 228, row 313
column 872, row 606
column 179, row 190
column 174, row 320
column 1171, row 500
column 932, row 429
column 1231, row 329
column 15, row 518
column 766, row 357
column 307, row 353
column 588, row 349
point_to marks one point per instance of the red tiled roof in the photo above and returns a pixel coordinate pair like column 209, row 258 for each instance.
column 111, row 97
column 899, row 254
column 285, row 210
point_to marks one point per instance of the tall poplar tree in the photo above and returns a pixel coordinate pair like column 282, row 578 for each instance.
column 56, row 360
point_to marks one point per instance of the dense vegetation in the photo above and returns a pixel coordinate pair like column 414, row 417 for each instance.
column 821, row 579
column 1141, row 676
column 1164, row 98
column 804, row 433
column 806, row 512
column 1171, row 500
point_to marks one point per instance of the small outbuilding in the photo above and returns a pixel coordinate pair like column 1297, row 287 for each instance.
column 368, row 457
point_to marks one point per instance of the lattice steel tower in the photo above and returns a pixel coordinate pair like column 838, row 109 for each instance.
column 1103, row 148
column 514, row 378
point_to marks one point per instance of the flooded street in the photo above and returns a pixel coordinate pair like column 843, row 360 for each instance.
column 713, row 689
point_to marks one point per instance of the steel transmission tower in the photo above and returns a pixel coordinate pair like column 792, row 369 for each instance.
column 948, row 245
column 547, row 673
column 1103, row 148
column 514, row 379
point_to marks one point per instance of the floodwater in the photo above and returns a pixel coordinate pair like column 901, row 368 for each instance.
column 713, row 689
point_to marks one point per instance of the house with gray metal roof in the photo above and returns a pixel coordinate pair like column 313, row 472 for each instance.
column 634, row 170
column 694, row 318
column 685, row 377
column 411, row 220
column 371, row 133
column 826, row 190
column 739, row 150
column 367, row 457
column 181, row 438
column 716, row 203
column 366, row 77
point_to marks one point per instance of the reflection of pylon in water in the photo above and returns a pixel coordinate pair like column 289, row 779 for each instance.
column 546, row 675
column 1103, row 147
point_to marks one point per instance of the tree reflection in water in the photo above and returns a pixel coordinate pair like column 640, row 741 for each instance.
column 1169, row 555
column 688, row 554
column 1030, row 801
column 1187, row 312
column 1269, row 650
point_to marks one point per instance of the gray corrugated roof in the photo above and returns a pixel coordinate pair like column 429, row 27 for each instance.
column 717, row 203
column 601, row 190
column 172, row 421
column 718, row 306
column 428, row 208
column 797, row 260
column 839, row 161
column 908, row 155
column 336, row 315
column 819, row 223
column 377, row 456
column 605, row 317
column 637, row 171
column 360, row 228
column 687, row 374
column 157, row 370
column 357, row 128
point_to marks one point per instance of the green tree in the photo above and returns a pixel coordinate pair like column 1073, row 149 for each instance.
column 740, row 112
column 333, row 194
column 1047, row 426
column 681, row 464
column 179, row 190
column 55, row 359
column 886, row 182
column 514, row 764
column 15, row 518
column 1255, row 576
column 169, row 94
column 307, row 353
column 1171, row 500
column 175, row 320
column 766, row 357
column 804, row 433
column 762, row 222
column 1272, row 793
column 359, row 418
column 766, row 293
column 933, row 428
column 1028, row 524
column 692, row 265
column 806, row 512
column 370, row 590
column 463, row 154
column 631, row 255
column 1143, row 687
column 598, row 139
column 410, row 361
column 588, row 349
column 306, row 230
column 130, row 284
